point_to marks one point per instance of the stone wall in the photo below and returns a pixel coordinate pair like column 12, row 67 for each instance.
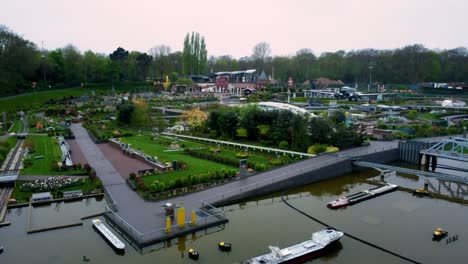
column 302, row 178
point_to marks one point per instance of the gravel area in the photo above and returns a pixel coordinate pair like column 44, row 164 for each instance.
column 77, row 155
column 122, row 163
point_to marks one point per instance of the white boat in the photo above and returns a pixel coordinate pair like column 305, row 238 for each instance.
column 361, row 196
column 319, row 245
column 116, row 243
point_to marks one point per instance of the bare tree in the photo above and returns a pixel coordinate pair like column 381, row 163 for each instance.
column 261, row 52
column 160, row 62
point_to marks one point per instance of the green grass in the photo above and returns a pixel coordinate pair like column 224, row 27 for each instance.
column 34, row 99
column 17, row 126
column 195, row 166
column 49, row 148
column 12, row 140
column 429, row 116
column 31, row 100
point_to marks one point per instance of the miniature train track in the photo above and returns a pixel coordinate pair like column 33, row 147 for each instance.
column 14, row 161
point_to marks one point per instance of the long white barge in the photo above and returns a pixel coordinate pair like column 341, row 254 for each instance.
column 320, row 244
column 361, row 196
column 116, row 243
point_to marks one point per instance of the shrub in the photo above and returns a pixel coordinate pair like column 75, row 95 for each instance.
column 316, row 149
column 283, row 145
column 87, row 167
column 242, row 155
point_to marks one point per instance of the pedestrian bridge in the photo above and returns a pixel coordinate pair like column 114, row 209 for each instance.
column 442, row 176
column 455, row 148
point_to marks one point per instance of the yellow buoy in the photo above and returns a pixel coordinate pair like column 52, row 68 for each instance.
column 181, row 216
column 193, row 218
column 168, row 224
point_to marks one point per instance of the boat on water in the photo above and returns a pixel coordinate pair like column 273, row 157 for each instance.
column 361, row 196
column 320, row 243
column 107, row 234
column 1, row 249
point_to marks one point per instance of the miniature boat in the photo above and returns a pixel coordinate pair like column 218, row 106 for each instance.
column 361, row 196
column 321, row 242
column 421, row 192
column 439, row 233
column 224, row 246
column 193, row 254
column 107, row 234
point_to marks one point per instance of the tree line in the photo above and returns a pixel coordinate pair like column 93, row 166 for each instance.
column 25, row 67
column 280, row 129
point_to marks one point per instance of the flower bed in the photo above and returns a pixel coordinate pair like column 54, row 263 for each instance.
column 49, row 184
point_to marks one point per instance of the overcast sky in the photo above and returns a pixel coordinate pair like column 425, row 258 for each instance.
column 234, row 27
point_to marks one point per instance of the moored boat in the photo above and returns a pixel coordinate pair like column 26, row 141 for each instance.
column 320, row 243
column 361, row 196
column 108, row 235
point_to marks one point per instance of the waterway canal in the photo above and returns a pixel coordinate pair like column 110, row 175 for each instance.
column 397, row 221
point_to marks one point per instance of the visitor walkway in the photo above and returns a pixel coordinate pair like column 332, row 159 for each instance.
column 144, row 221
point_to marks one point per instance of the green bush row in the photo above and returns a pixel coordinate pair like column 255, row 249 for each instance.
column 224, row 160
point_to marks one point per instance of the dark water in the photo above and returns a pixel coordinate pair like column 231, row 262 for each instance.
column 397, row 221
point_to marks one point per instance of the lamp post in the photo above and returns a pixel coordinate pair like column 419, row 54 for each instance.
column 370, row 78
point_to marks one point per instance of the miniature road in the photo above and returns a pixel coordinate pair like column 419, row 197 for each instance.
column 148, row 216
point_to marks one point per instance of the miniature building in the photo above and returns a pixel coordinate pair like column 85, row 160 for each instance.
column 72, row 194
column 41, row 197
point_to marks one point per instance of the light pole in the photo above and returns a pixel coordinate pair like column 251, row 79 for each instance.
column 370, row 78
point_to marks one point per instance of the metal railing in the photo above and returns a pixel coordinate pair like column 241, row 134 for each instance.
column 239, row 145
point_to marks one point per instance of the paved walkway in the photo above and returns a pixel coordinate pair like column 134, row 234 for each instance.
column 148, row 216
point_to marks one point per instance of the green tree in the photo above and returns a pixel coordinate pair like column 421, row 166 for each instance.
column 72, row 65
column 194, row 54
column 412, row 114
column 320, row 130
column 125, row 113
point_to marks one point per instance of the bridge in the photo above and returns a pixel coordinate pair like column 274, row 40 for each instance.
column 455, row 148
column 441, row 176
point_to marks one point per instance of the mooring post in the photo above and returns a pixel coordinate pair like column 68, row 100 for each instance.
column 434, row 163
column 427, row 161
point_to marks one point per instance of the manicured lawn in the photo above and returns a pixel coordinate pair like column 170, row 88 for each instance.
column 49, row 148
column 195, row 166
column 12, row 140
column 31, row 100
column 17, row 126
column 430, row 116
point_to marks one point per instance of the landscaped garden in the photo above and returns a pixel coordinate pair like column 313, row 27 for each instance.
column 44, row 156
column 198, row 165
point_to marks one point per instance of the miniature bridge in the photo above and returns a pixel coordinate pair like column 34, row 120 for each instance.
column 442, row 176
column 452, row 148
